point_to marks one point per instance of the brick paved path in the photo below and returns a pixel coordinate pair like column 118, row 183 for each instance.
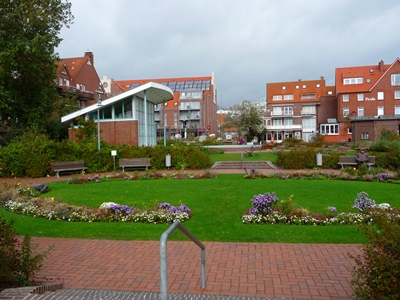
column 306, row 271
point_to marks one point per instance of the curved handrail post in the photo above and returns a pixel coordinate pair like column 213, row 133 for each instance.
column 163, row 257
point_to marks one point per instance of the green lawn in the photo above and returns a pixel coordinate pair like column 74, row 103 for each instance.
column 257, row 156
column 217, row 206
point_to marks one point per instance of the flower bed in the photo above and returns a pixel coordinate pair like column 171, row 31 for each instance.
column 267, row 209
column 23, row 201
column 145, row 175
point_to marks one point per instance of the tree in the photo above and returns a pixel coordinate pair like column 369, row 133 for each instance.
column 28, row 37
column 247, row 117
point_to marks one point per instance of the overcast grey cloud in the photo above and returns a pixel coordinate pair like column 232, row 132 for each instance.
column 247, row 43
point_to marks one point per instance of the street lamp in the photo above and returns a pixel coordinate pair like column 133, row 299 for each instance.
column 98, row 121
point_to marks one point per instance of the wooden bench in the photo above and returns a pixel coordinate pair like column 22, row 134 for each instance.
column 351, row 161
column 68, row 166
column 134, row 163
column 266, row 147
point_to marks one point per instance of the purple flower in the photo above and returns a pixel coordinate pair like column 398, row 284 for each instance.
column 121, row 209
column 362, row 202
column 332, row 209
column 262, row 203
column 164, row 205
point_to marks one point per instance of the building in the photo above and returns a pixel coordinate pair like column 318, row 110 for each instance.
column 192, row 112
column 127, row 118
column 78, row 77
column 369, row 98
column 293, row 107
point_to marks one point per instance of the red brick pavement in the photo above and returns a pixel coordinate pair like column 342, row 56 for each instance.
column 307, row 271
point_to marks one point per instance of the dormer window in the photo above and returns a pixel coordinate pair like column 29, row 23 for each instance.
column 358, row 80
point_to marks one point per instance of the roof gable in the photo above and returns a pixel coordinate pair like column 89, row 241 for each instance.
column 396, row 61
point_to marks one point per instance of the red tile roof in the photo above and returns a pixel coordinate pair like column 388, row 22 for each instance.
column 371, row 75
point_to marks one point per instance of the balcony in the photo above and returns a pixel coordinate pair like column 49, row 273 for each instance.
column 81, row 95
column 283, row 127
column 282, row 114
column 308, row 113
column 189, row 118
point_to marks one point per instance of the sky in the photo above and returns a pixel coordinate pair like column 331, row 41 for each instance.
column 246, row 43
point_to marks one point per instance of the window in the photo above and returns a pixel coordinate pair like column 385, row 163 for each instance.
column 396, row 94
column 277, row 122
column 308, row 96
column 395, row 79
column 78, row 86
column 345, row 98
column 308, row 110
column 364, row 135
column 318, row 85
column 83, row 87
column 397, row 110
column 381, row 110
column 288, row 110
column 381, row 95
column 297, row 87
column 277, row 111
column 360, row 111
column 277, row 97
column 330, row 129
column 309, row 124
column 358, row 80
column 346, row 111
column 284, row 88
column 360, row 97
column 60, row 81
column 288, row 121
column 288, row 97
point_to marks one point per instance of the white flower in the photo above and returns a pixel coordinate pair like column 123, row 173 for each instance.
column 384, row 205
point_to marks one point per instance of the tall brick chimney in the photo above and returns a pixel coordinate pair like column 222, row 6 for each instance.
column 381, row 66
column 91, row 57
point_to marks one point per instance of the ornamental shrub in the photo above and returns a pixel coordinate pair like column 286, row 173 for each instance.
column 18, row 262
column 377, row 271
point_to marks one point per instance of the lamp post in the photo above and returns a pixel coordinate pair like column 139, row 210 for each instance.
column 98, row 122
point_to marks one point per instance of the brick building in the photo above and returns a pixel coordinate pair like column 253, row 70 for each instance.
column 192, row 111
column 293, row 107
column 369, row 98
column 127, row 118
column 78, row 77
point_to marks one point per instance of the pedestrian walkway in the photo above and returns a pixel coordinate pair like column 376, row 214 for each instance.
column 263, row 270
column 104, row 269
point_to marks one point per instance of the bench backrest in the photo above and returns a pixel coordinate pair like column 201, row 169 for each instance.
column 125, row 162
column 347, row 159
column 352, row 159
column 68, row 165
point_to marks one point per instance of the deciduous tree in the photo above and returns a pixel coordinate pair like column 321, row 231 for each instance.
column 247, row 117
column 29, row 32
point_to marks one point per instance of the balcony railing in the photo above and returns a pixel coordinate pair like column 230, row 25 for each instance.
column 283, row 127
column 82, row 95
column 308, row 113
column 274, row 114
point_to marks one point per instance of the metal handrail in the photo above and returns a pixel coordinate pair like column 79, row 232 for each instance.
column 163, row 257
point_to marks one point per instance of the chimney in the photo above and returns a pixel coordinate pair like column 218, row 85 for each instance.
column 381, row 66
column 91, row 57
